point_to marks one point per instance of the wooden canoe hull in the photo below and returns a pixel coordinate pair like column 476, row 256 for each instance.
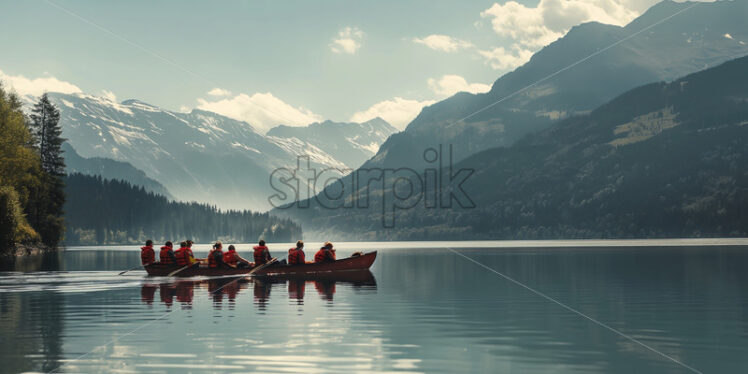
column 362, row 262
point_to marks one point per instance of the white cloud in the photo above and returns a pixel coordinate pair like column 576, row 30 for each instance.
column 37, row 86
column 261, row 110
column 450, row 84
column 444, row 43
column 501, row 58
column 347, row 41
column 219, row 92
column 109, row 95
column 397, row 111
column 534, row 27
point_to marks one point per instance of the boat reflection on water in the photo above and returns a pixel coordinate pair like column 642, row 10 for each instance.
column 229, row 288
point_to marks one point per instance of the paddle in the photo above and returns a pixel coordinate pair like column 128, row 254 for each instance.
column 175, row 272
column 272, row 261
column 123, row 273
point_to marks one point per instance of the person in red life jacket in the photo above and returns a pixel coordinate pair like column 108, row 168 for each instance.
column 184, row 255
column 147, row 255
column 194, row 259
column 262, row 254
column 296, row 255
column 231, row 258
column 166, row 255
column 325, row 254
column 215, row 257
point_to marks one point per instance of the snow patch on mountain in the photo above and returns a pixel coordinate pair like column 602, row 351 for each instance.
column 199, row 156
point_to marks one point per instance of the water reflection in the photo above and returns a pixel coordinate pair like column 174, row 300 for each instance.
column 229, row 288
column 430, row 311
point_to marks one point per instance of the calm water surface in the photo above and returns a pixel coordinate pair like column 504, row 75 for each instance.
column 420, row 310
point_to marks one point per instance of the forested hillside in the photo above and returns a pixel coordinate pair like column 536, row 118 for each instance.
column 663, row 160
column 101, row 211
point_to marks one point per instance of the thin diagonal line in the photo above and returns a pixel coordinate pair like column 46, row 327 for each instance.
column 131, row 332
column 130, row 42
column 573, row 65
column 157, row 55
column 575, row 311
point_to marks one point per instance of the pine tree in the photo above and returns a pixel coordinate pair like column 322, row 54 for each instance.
column 45, row 121
column 47, row 216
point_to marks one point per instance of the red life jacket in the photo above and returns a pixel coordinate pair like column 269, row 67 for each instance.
column 324, row 255
column 167, row 256
column 230, row 258
column 147, row 255
column 183, row 256
column 262, row 255
column 215, row 258
column 296, row 256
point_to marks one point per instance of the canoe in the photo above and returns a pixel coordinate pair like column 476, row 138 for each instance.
column 362, row 262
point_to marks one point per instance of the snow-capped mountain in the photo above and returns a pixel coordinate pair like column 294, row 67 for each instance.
column 351, row 143
column 199, row 156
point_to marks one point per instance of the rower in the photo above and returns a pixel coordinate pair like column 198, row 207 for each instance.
column 325, row 254
column 231, row 258
column 194, row 259
column 147, row 255
column 184, row 255
column 167, row 254
column 262, row 254
column 296, row 255
column 215, row 257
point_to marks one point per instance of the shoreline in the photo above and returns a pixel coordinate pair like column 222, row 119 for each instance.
column 560, row 243
column 23, row 250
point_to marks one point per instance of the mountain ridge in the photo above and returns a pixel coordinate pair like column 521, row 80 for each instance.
column 665, row 159
column 198, row 156
column 664, row 52
column 351, row 142
column 110, row 169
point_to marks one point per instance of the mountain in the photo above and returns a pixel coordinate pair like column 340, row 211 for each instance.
column 661, row 160
column 110, row 169
column 559, row 81
column 351, row 143
column 197, row 156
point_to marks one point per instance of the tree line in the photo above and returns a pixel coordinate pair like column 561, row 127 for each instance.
column 32, row 168
column 102, row 211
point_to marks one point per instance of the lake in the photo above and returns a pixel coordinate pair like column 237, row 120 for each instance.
column 520, row 307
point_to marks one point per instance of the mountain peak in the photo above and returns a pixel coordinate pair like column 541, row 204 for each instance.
column 136, row 102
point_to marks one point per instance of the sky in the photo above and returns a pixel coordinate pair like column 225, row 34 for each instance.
column 283, row 62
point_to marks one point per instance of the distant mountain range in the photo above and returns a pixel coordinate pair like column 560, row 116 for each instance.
column 662, row 160
column 559, row 82
column 201, row 156
column 351, row 143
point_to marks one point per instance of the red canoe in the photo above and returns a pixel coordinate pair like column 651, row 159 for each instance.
column 362, row 262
